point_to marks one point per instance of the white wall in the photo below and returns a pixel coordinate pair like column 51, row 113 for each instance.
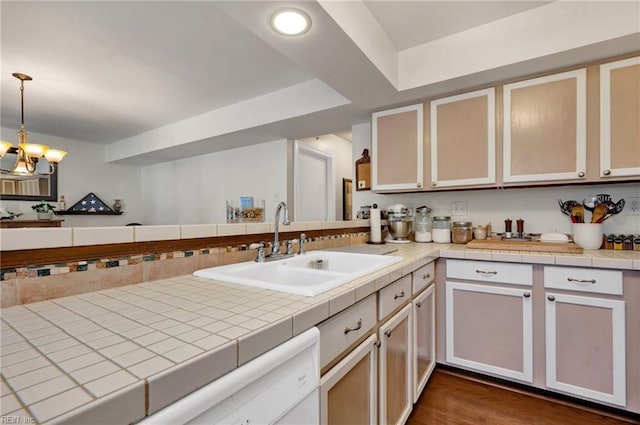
column 194, row 190
column 84, row 170
column 538, row 206
column 341, row 150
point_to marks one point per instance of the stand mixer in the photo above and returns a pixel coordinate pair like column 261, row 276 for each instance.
column 400, row 219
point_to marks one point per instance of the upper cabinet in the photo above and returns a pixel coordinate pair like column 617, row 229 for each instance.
column 544, row 128
column 397, row 148
column 463, row 140
column 620, row 118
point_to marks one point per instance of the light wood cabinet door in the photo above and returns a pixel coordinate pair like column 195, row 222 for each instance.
column 620, row 118
column 396, row 397
column 397, row 148
column 544, row 128
column 463, row 139
column 585, row 347
column 348, row 391
column 424, row 339
column 490, row 329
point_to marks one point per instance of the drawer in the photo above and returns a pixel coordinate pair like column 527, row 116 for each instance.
column 345, row 328
column 393, row 296
column 422, row 277
column 490, row 271
column 584, row 280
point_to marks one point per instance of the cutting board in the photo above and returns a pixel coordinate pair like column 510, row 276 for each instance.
column 563, row 247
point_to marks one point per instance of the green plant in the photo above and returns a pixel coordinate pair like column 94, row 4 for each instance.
column 43, row 207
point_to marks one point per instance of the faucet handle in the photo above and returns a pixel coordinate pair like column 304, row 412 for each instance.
column 260, row 246
column 303, row 241
column 289, row 247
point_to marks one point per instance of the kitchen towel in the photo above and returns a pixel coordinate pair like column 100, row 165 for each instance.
column 374, row 220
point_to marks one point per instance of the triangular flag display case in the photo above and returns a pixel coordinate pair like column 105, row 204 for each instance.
column 89, row 205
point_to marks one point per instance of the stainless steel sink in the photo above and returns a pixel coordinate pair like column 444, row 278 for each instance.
column 308, row 274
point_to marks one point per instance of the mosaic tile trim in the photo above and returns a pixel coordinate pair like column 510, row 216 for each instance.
column 35, row 271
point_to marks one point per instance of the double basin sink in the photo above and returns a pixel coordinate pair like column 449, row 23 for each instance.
column 306, row 274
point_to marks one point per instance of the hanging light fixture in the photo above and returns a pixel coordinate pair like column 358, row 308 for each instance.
column 29, row 153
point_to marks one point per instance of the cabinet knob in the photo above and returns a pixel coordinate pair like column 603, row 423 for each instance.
column 358, row 326
column 400, row 295
column 434, row 184
column 581, row 174
column 418, row 305
column 426, row 276
column 377, row 344
column 419, row 184
column 388, row 333
column 551, row 298
column 527, row 294
column 606, row 172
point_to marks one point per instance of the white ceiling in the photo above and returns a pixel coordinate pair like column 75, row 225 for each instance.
column 161, row 80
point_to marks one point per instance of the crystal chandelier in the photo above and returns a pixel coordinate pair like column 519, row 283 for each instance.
column 29, row 153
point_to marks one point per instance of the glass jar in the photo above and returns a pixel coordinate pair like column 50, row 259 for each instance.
column 441, row 229
column 462, row 231
column 422, row 221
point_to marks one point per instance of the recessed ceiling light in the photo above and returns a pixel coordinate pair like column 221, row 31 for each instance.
column 290, row 21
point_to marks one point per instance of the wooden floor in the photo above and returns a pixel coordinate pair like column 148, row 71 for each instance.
column 452, row 400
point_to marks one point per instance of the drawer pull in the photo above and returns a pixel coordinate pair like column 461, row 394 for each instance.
column 426, row 276
column 388, row 333
column 400, row 295
column 347, row 329
column 377, row 344
column 570, row 279
column 486, row 272
column 527, row 294
column 551, row 298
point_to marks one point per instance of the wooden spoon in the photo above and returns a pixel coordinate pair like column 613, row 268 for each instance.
column 577, row 211
column 598, row 213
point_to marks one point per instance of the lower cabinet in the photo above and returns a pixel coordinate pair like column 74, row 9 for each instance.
column 585, row 347
column 424, row 339
column 490, row 329
column 395, row 371
column 349, row 390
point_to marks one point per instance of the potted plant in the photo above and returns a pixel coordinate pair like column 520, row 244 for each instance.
column 44, row 210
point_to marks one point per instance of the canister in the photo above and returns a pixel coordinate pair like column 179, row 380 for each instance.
column 441, row 229
column 422, row 221
column 462, row 231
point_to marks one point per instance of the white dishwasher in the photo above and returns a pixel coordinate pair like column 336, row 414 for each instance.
column 279, row 387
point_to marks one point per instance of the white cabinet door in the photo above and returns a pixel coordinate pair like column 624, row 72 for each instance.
column 424, row 339
column 619, row 123
column 397, row 148
column 348, row 391
column 396, row 396
column 490, row 329
column 585, row 347
column 544, row 128
column 463, row 139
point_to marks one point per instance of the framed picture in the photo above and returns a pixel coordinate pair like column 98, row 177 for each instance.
column 347, row 199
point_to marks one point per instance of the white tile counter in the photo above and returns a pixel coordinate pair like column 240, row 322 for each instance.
column 115, row 355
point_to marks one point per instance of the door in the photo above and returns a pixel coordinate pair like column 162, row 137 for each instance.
column 395, row 368
column 544, row 126
column 585, row 347
column 490, row 329
column 397, row 145
column 424, row 339
column 313, row 184
column 619, row 123
column 348, row 392
column 463, row 139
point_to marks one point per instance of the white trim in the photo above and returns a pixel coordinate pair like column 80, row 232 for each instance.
column 526, row 374
column 491, row 139
column 580, row 75
column 605, row 119
column 419, row 382
column 619, row 395
column 419, row 183
column 305, row 149
column 390, row 324
column 340, row 370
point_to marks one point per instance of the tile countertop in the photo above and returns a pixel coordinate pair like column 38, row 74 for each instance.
column 113, row 356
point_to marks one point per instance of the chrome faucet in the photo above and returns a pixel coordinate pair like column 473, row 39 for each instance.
column 275, row 250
